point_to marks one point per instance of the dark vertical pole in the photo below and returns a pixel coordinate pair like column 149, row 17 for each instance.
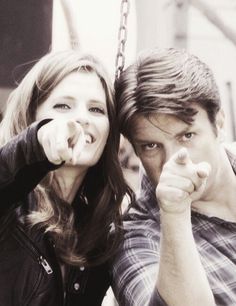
column 25, row 35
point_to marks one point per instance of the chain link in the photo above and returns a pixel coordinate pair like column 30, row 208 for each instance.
column 122, row 37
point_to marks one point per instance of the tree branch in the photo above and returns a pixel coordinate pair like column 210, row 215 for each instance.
column 70, row 16
column 215, row 19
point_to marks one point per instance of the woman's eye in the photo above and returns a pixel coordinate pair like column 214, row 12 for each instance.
column 97, row 110
column 62, row 106
column 187, row 136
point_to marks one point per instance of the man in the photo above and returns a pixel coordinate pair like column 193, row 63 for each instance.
column 180, row 236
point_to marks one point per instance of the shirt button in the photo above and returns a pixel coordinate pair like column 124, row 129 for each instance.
column 76, row 286
column 82, row 268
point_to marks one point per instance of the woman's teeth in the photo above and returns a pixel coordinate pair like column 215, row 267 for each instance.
column 88, row 139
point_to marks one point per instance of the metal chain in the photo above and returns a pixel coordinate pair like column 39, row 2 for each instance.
column 122, row 37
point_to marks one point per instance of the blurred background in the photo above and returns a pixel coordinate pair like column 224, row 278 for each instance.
column 31, row 28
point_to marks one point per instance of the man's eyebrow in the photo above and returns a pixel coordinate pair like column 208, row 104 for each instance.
column 143, row 140
column 184, row 131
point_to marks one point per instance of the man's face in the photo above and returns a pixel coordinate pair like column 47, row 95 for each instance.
column 157, row 137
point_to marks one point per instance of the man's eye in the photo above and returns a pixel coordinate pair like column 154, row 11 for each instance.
column 61, row 106
column 97, row 110
column 187, row 136
column 149, row 146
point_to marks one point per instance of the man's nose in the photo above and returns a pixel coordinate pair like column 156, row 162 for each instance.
column 171, row 150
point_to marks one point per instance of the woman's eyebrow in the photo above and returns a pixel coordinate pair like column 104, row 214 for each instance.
column 98, row 101
column 70, row 98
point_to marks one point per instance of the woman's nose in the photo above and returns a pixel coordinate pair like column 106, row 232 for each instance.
column 83, row 121
column 82, row 116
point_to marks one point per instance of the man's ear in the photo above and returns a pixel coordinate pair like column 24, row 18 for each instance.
column 220, row 120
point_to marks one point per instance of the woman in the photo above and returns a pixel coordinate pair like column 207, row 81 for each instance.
column 61, row 184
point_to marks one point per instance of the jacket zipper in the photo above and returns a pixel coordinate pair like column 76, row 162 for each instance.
column 26, row 241
column 45, row 264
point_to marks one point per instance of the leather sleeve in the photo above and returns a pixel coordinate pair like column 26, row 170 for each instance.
column 23, row 164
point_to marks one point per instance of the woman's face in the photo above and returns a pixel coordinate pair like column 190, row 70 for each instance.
column 81, row 97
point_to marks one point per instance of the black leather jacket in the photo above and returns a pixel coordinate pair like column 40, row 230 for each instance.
column 29, row 271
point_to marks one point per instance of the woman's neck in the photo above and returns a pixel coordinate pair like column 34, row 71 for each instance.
column 69, row 180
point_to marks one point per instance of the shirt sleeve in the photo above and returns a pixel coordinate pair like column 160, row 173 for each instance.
column 23, row 164
column 135, row 267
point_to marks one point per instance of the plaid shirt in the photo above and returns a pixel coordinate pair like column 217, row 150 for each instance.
column 136, row 265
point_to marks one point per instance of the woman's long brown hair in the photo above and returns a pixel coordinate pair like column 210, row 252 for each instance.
column 103, row 187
